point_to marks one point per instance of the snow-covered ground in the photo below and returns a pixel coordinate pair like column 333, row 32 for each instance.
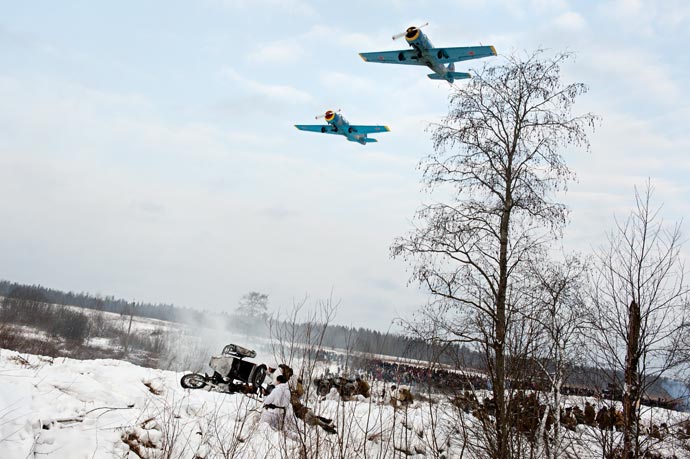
column 65, row 408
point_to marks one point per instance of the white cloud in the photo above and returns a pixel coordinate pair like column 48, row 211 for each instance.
column 346, row 82
column 292, row 7
column 548, row 5
column 526, row 8
column 282, row 51
column 278, row 212
column 571, row 21
column 346, row 38
column 628, row 7
column 278, row 92
column 633, row 73
column 648, row 18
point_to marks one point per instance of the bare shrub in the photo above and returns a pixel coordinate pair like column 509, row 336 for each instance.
column 163, row 433
column 227, row 434
column 71, row 325
column 14, row 339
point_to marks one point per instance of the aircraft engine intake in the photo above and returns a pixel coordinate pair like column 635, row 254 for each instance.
column 411, row 33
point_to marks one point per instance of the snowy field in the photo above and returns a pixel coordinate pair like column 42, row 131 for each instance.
column 67, row 408
column 75, row 409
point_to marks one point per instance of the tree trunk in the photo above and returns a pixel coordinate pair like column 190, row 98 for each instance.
column 129, row 331
column 502, row 428
column 631, row 393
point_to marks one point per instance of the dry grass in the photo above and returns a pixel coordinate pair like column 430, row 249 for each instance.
column 152, row 389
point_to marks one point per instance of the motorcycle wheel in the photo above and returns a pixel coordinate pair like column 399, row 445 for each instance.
column 193, row 381
column 258, row 376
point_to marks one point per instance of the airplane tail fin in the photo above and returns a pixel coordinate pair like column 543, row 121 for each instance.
column 450, row 76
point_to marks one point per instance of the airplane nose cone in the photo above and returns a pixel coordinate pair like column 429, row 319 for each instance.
column 330, row 114
column 411, row 33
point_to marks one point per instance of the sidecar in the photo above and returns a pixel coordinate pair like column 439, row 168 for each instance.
column 231, row 373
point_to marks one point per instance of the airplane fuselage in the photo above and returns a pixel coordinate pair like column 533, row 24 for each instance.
column 421, row 43
column 340, row 125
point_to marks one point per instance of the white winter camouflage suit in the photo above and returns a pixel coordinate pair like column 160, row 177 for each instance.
column 277, row 417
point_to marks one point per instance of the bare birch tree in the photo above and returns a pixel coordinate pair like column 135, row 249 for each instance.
column 558, row 307
column 498, row 160
column 640, row 301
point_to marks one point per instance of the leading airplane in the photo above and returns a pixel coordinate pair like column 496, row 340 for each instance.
column 337, row 124
column 424, row 53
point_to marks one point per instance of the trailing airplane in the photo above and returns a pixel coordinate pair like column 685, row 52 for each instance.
column 337, row 124
column 424, row 53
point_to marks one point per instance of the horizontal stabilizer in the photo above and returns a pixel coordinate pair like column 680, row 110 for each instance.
column 361, row 140
column 450, row 76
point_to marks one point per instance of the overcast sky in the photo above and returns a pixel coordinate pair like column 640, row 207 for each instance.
column 147, row 149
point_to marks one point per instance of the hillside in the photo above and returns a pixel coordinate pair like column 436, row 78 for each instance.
column 64, row 408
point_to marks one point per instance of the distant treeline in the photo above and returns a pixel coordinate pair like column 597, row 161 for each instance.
column 97, row 302
column 336, row 336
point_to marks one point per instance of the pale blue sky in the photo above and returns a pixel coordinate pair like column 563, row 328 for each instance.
column 147, row 149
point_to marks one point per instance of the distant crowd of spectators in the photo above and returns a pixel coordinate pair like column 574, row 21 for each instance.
column 413, row 375
column 438, row 378
column 403, row 374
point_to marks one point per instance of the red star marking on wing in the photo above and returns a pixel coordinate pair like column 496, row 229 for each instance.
column 471, row 53
column 380, row 58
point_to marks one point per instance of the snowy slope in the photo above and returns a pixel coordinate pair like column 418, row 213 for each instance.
column 82, row 409
column 106, row 408
column 113, row 409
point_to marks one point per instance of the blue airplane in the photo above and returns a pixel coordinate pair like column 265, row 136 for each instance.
column 424, row 53
column 337, row 124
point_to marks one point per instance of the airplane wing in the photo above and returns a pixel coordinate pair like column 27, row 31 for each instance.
column 405, row 56
column 323, row 128
column 368, row 129
column 464, row 53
